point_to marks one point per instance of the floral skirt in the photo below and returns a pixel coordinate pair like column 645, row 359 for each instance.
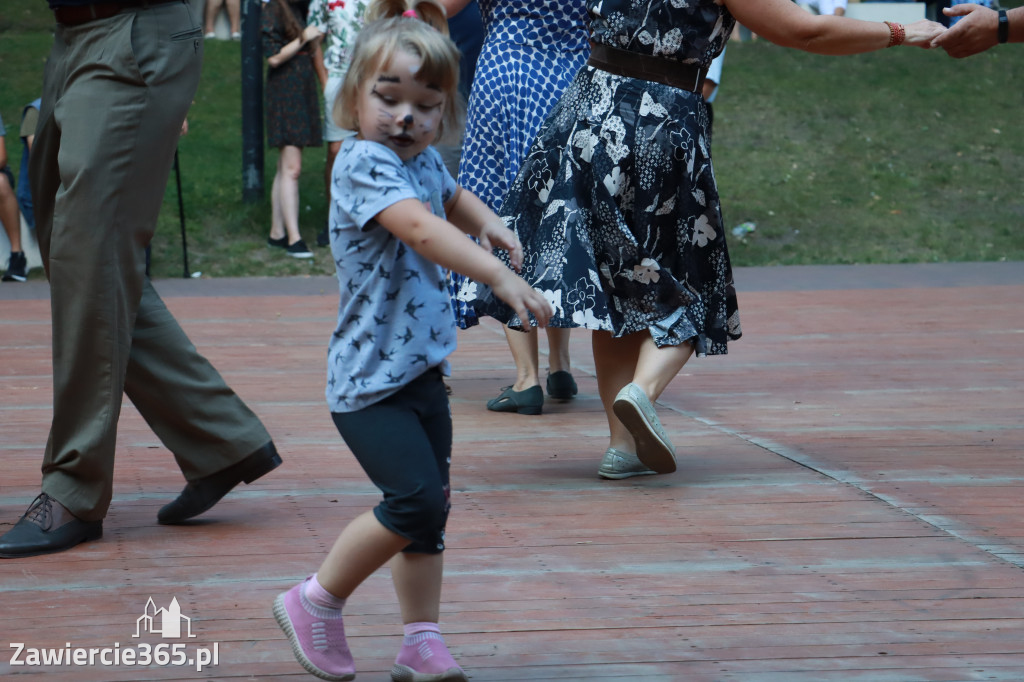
column 618, row 212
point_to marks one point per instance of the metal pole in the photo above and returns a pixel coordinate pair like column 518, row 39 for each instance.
column 252, row 103
column 181, row 217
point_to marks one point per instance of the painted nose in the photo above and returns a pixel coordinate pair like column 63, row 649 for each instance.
column 407, row 121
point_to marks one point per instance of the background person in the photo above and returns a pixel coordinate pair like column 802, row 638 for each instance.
column 17, row 265
column 338, row 24
column 836, row 7
column 530, row 53
column 29, row 121
column 292, row 114
column 213, row 8
column 980, row 29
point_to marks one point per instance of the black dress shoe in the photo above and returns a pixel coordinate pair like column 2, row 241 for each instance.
column 47, row 527
column 199, row 496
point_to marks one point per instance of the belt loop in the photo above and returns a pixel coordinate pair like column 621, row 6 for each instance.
column 92, row 11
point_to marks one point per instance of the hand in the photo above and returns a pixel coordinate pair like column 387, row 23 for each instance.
column 494, row 235
column 975, row 33
column 184, row 128
column 522, row 298
column 310, row 33
column 922, row 33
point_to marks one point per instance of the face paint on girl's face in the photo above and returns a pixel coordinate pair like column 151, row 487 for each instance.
column 397, row 110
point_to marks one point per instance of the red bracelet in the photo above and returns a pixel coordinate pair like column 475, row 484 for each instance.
column 897, row 33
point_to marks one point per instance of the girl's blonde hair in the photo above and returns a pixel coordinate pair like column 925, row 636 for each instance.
column 390, row 28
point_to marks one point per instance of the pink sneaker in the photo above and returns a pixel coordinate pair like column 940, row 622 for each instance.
column 425, row 658
column 317, row 635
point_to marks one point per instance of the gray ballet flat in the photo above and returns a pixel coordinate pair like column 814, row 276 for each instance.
column 637, row 414
column 617, row 464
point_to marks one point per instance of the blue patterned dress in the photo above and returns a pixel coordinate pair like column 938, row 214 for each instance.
column 531, row 52
column 616, row 202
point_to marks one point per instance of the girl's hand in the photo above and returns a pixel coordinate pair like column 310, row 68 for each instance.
column 494, row 235
column 522, row 298
column 921, row 33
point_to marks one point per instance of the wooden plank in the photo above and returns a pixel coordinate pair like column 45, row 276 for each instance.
column 846, row 508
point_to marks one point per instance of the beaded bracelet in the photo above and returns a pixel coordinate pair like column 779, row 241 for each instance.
column 897, row 33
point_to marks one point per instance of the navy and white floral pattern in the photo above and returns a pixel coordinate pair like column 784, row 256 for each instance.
column 531, row 51
column 616, row 203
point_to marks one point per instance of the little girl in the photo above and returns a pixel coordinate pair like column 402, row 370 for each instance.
column 390, row 194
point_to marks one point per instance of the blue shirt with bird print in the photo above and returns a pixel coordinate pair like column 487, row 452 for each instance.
column 395, row 318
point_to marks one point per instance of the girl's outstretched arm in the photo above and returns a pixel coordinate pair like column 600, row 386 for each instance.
column 441, row 242
column 470, row 214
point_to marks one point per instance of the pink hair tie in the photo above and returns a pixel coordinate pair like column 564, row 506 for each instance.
column 411, row 13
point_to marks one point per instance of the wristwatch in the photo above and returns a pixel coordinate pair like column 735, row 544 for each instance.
column 1003, row 34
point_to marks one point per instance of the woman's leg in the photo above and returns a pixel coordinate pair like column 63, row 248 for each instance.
column 558, row 349
column 210, row 15
column 634, row 358
column 276, row 217
column 288, row 170
column 10, row 215
column 524, row 353
column 656, row 367
column 526, row 356
column 234, row 16
column 615, row 363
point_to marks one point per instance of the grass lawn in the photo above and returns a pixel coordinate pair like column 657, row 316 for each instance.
column 902, row 155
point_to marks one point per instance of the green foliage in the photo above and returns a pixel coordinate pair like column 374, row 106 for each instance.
column 897, row 156
column 902, row 155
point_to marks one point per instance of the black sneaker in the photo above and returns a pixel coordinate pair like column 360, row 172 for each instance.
column 324, row 238
column 281, row 243
column 17, row 268
column 299, row 250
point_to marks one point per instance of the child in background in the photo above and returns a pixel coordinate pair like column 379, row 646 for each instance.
column 391, row 241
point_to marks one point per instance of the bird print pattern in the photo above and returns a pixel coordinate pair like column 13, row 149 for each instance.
column 394, row 313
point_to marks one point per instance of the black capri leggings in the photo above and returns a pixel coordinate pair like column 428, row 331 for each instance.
column 404, row 444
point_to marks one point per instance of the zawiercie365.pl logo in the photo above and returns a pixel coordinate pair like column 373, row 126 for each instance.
column 168, row 622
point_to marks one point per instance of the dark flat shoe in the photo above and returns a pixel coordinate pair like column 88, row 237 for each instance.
column 561, row 385
column 199, row 496
column 530, row 401
column 35, row 534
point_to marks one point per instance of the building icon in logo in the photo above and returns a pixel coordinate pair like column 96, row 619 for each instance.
column 164, row 622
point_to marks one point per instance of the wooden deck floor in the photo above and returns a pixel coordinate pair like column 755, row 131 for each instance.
column 848, row 504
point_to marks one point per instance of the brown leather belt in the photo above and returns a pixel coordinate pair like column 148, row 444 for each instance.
column 73, row 15
column 645, row 67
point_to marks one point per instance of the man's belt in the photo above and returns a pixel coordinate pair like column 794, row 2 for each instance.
column 73, row 15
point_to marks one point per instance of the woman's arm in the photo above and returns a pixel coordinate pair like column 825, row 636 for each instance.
column 785, row 23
